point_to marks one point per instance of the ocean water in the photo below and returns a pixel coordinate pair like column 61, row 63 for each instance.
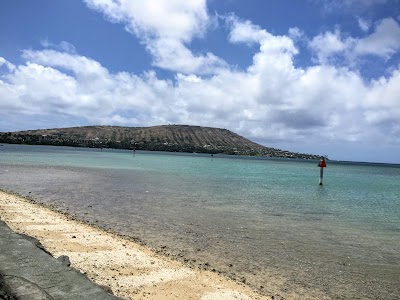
column 265, row 222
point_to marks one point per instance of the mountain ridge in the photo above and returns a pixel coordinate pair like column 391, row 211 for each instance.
column 173, row 138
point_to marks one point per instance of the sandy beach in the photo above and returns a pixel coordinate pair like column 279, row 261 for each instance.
column 131, row 271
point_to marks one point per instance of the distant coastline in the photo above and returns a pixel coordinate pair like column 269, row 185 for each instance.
column 364, row 163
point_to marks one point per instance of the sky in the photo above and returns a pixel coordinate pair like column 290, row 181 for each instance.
column 310, row 76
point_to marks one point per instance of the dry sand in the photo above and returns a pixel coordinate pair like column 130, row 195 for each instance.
column 132, row 271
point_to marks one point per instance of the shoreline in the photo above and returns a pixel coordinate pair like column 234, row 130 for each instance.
column 130, row 269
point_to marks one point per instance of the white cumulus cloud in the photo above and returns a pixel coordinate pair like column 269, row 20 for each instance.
column 383, row 42
column 329, row 44
column 165, row 27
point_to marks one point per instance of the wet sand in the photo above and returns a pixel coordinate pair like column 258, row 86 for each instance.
column 131, row 270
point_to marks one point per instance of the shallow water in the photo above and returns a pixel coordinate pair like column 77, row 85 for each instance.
column 266, row 222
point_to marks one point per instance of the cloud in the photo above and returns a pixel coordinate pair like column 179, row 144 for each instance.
column 80, row 65
column 382, row 106
column 7, row 64
column 275, row 51
column 244, row 31
column 172, row 55
column 329, row 44
column 186, row 19
column 335, row 6
column 62, row 46
column 363, row 24
column 384, row 42
column 168, row 41
column 296, row 33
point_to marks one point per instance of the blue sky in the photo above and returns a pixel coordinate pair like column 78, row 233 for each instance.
column 309, row 76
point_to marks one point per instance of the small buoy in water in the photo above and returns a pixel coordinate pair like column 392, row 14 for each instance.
column 322, row 165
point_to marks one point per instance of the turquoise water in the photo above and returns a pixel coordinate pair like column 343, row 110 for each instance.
column 266, row 222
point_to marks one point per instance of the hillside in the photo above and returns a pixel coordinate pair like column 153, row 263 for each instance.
column 174, row 138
